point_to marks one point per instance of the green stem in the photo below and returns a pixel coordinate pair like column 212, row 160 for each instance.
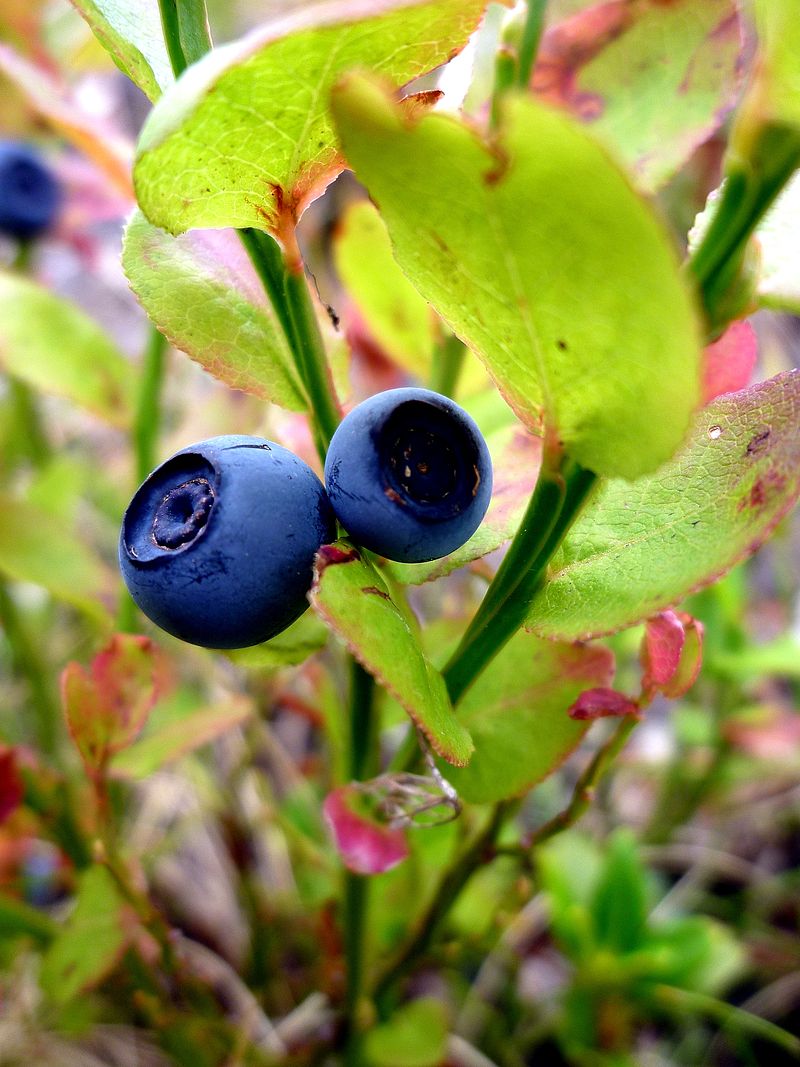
column 448, row 359
column 311, row 357
column 290, row 298
column 529, row 44
column 23, row 399
column 364, row 759
column 585, row 787
column 472, row 858
column 145, row 433
column 186, row 32
column 147, row 420
column 556, row 502
column 268, row 261
column 750, row 189
column 29, row 665
column 680, row 1001
column 505, row 77
column 187, row 37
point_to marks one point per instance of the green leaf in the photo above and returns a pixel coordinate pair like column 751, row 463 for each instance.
column 295, row 644
column 539, row 255
column 37, row 547
column 53, row 346
column 773, row 95
column 203, row 294
column 682, row 527
column 133, row 36
column 516, row 458
column 652, row 80
column 18, row 919
column 415, row 1036
column 177, row 739
column 244, row 138
column 92, row 942
column 517, row 715
column 107, row 706
column 619, row 903
column 397, row 317
column 352, row 598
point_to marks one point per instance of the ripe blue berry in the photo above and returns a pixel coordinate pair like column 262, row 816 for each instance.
column 409, row 475
column 218, row 543
column 30, row 196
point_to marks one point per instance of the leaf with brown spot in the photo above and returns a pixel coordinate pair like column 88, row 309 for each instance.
column 639, row 548
column 245, row 137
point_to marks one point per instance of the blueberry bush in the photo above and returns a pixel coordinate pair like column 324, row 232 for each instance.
column 398, row 605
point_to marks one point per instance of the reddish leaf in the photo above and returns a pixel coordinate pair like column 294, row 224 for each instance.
column 602, row 703
column 671, row 653
column 11, row 787
column 654, row 78
column 107, row 706
column 729, row 362
column 365, row 845
column 661, row 648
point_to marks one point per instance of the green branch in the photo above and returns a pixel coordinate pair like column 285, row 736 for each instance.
column 556, row 502
column 455, row 878
column 751, row 187
column 364, row 759
column 186, row 32
column 529, row 43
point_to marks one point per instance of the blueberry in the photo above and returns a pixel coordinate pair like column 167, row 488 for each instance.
column 409, row 475
column 217, row 545
column 30, row 195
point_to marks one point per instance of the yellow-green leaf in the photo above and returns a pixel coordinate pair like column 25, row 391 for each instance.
column 537, row 252
column 244, row 137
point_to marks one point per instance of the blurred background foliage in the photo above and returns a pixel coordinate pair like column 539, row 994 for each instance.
column 208, row 934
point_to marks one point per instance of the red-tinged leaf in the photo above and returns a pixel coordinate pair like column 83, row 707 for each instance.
column 677, row 530
column 691, row 659
column 53, row 102
column 664, row 637
column 729, row 362
column 351, row 597
column 602, row 703
column 671, row 653
column 12, row 789
column 654, row 79
column 366, row 845
column 517, row 715
column 175, row 740
column 107, row 706
column 205, row 161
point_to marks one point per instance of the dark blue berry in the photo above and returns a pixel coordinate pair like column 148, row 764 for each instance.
column 409, row 475
column 30, row 195
column 217, row 545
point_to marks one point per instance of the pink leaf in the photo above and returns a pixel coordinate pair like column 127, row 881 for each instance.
column 107, row 706
column 661, row 648
column 602, row 703
column 729, row 362
column 671, row 654
column 11, row 787
column 365, row 845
